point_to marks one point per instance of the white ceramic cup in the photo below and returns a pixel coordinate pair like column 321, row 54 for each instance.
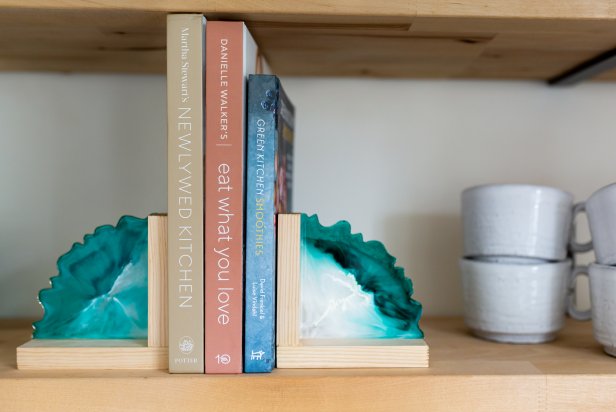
column 603, row 302
column 600, row 209
column 516, row 220
column 514, row 303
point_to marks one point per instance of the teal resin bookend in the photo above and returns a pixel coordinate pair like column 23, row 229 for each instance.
column 101, row 290
column 342, row 301
column 352, row 288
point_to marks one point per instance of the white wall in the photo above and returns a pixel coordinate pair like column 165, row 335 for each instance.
column 390, row 156
column 76, row 152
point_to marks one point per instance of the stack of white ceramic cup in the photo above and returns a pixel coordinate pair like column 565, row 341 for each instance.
column 600, row 209
column 515, row 268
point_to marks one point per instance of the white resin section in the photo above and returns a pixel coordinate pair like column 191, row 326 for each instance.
column 333, row 304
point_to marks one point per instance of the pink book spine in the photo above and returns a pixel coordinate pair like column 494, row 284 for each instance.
column 224, row 196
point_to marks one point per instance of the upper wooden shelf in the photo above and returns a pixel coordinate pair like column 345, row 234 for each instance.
column 465, row 374
column 525, row 39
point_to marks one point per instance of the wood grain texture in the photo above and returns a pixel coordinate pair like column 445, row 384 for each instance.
column 40, row 354
column 274, row 7
column 523, row 9
column 553, row 9
column 465, row 374
column 412, row 354
column 157, row 281
column 288, row 278
column 494, row 39
column 76, row 40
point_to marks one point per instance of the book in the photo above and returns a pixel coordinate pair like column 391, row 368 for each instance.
column 185, row 54
column 231, row 54
column 269, row 176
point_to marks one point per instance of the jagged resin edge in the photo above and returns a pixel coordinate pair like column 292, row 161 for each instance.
column 87, row 238
column 313, row 230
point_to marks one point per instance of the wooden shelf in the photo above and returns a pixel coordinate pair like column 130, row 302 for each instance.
column 526, row 39
column 571, row 373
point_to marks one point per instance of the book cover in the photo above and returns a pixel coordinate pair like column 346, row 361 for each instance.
column 269, row 166
column 231, row 54
column 185, row 58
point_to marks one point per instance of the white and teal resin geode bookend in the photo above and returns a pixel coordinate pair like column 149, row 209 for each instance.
column 342, row 302
column 101, row 309
column 101, row 290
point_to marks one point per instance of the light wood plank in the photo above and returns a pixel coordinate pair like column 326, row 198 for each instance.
column 410, row 354
column 521, row 9
column 77, row 40
column 570, row 373
column 288, row 289
column 275, row 7
column 568, row 393
column 379, row 52
column 41, row 354
column 157, row 281
column 526, row 39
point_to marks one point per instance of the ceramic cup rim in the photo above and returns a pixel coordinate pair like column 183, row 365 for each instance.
column 602, row 266
column 518, row 186
column 566, row 262
column 530, row 260
column 599, row 192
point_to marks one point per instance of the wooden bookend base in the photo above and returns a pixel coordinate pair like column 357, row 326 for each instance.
column 294, row 352
column 90, row 354
column 115, row 353
column 409, row 353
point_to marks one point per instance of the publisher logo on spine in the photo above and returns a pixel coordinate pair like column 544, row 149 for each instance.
column 186, row 345
column 223, row 359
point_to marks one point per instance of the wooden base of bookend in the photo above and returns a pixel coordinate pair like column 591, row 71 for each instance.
column 294, row 352
column 90, row 354
column 115, row 353
column 395, row 353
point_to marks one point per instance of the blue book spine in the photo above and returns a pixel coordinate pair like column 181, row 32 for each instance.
column 268, row 188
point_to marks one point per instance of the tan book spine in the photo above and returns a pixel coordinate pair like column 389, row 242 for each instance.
column 185, row 58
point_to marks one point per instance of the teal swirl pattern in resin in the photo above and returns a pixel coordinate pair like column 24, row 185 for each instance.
column 351, row 289
column 101, row 291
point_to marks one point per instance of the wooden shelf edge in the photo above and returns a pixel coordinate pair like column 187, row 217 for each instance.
column 527, row 9
column 468, row 39
column 235, row 9
column 465, row 373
